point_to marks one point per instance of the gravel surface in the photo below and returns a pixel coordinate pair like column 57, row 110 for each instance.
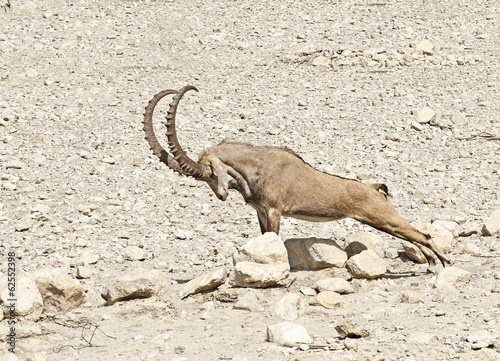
column 342, row 83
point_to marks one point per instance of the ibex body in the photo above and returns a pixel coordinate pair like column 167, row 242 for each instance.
column 276, row 182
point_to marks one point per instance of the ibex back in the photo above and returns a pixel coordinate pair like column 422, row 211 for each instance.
column 277, row 182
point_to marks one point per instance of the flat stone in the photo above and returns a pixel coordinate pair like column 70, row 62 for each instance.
column 322, row 61
column 351, row 329
column 329, row 299
column 249, row 302
column 136, row 283
column 334, row 284
column 412, row 297
column 205, row 282
column 420, row 337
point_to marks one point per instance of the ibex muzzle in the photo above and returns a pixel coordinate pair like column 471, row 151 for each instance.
column 277, row 182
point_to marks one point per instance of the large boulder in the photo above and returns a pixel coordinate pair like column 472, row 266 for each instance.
column 452, row 277
column 313, row 253
column 29, row 302
column 288, row 334
column 366, row 264
column 60, row 293
column 362, row 241
column 136, row 283
column 492, row 224
column 204, row 282
column 265, row 249
column 262, row 262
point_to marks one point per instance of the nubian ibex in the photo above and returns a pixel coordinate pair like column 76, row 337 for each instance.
column 277, row 182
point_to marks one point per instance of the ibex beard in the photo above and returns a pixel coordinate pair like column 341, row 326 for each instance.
column 277, row 182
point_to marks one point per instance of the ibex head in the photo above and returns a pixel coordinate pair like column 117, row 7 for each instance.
column 208, row 168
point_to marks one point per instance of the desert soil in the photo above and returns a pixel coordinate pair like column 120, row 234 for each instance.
column 339, row 82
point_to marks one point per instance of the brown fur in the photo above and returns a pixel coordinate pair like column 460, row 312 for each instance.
column 277, row 182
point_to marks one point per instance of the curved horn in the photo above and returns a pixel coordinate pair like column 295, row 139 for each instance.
column 157, row 149
column 189, row 166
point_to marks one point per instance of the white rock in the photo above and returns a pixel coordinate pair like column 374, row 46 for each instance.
column 290, row 307
column 29, row 300
column 349, row 328
column 8, row 356
column 322, row 61
column 89, row 257
column 134, row 253
column 485, row 354
column 287, row 334
column 366, row 264
column 60, row 293
column 328, row 299
column 361, row 241
column 425, row 46
column 452, row 277
column 39, row 356
column 313, row 253
column 137, row 283
column 469, row 228
column 251, row 274
column 14, row 164
column 262, row 262
column 412, row 297
column 264, row 249
column 83, row 272
column 420, row 337
column 308, row 291
column 481, row 339
column 334, row 284
column 204, row 283
column 249, row 302
column 416, row 125
column 425, row 115
column 492, row 224
column 451, row 226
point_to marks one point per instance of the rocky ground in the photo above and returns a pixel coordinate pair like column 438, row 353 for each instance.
column 405, row 93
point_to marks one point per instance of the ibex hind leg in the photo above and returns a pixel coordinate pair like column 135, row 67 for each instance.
column 386, row 219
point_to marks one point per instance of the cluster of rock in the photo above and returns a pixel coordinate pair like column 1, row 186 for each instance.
column 262, row 262
column 50, row 292
column 422, row 53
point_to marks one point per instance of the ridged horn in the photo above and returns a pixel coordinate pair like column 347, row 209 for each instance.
column 156, row 147
column 189, row 166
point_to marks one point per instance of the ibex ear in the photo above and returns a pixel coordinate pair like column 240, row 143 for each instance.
column 216, row 167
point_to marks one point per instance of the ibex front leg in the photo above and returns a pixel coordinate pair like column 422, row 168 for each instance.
column 269, row 221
